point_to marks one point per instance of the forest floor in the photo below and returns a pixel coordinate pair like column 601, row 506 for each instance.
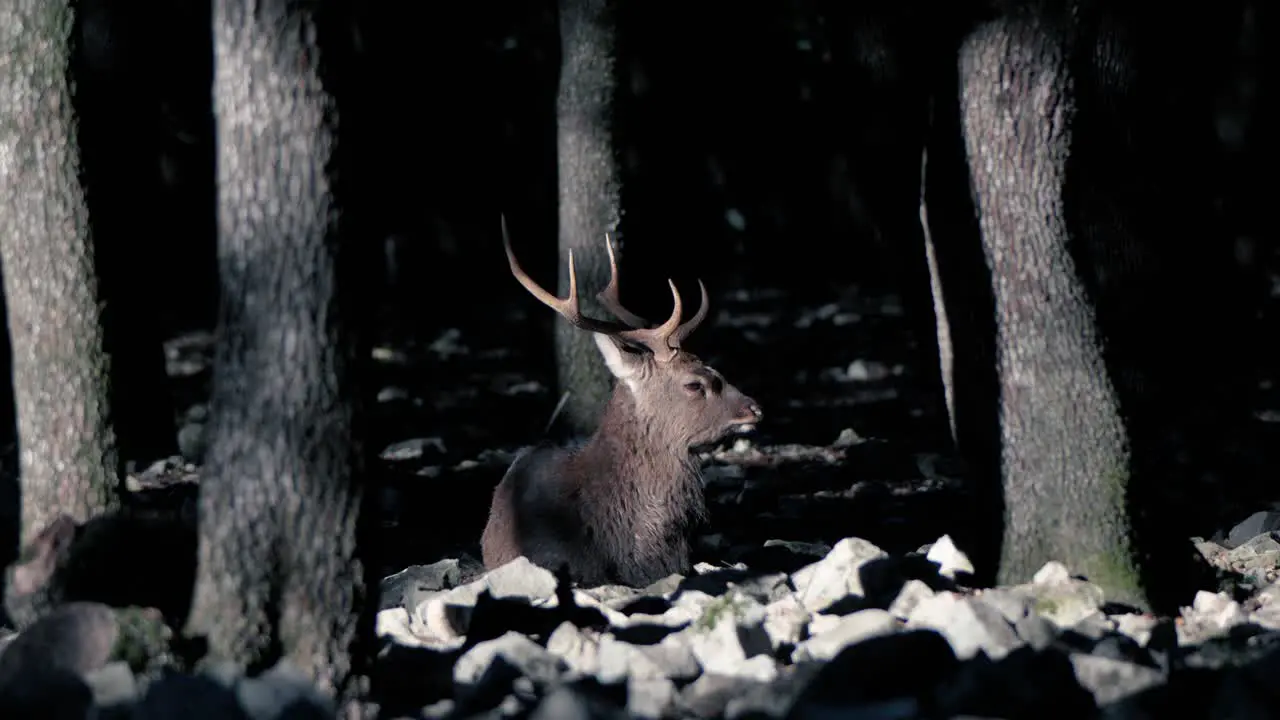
column 853, row 441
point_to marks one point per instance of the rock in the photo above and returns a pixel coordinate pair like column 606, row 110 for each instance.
column 398, row 624
column 949, row 558
column 1267, row 613
column 570, row 703
column 1210, row 615
column 1061, row 598
column 780, row 555
column 1258, row 558
column 1036, row 631
column 1095, row 626
column 1112, row 680
column 610, row 660
column 729, row 632
column 912, row 592
column 282, row 692
column 967, row 623
column 441, row 619
column 524, row 658
column 190, row 697
column 848, row 630
column 1137, row 626
column 579, row 651
column 837, row 575
column 785, row 621
column 1026, row 684
column 615, row 597
column 1012, row 603
column 193, row 441
column 817, row 550
column 412, row 449
column 76, row 638
column 1249, row 691
column 519, row 578
column 1259, row 523
column 652, row 698
column 55, row 695
column 710, row 694
column 402, row 589
column 772, row 699
column 887, row 673
column 675, row 658
column 763, row 587
column 615, row 617
column 113, row 684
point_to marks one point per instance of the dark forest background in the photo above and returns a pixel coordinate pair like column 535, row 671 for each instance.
column 758, row 144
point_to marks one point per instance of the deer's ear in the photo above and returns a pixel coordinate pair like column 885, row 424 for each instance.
column 623, row 362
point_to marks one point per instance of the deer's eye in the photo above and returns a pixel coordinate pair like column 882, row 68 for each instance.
column 694, row 387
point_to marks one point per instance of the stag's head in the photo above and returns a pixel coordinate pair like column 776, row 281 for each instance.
column 674, row 394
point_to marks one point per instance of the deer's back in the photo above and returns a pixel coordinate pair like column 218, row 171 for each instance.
column 556, row 510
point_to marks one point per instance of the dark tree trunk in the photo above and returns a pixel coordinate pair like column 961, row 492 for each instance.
column 1063, row 437
column 67, row 444
column 589, row 195
column 281, row 565
column 1070, row 121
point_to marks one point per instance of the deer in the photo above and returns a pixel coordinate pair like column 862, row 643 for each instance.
column 621, row 506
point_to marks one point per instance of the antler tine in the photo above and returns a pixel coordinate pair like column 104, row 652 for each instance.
column 659, row 339
column 567, row 307
column 608, row 297
column 686, row 328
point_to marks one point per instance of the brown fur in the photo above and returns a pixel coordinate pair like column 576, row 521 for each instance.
column 620, row 507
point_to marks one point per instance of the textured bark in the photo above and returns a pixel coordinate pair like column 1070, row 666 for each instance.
column 1101, row 374
column 1063, row 437
column 589, row 195
column 280, row 569
column 67, row 444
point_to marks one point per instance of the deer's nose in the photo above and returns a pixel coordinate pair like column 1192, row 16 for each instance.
column 753, row 411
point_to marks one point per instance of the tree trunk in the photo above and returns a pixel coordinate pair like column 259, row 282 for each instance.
column 67, row 444
column 1063, row 437
column 280, row 560
column 589, row 195
column 1095, row 341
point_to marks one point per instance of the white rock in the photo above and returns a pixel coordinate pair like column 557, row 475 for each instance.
column 850, row 629
column 1210, row 615
column 1110, row 680
column 730, row 631
column 532, row 660
column 785, row 620
column 837, row 575
column 968, row 624
column 949, row 558
column 912, row 592
column 1137, row 626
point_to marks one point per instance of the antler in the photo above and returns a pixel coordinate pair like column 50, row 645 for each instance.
column 686, row 329
column 608, row 297
column 663, row 341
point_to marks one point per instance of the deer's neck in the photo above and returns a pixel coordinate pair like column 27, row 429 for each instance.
column 636, row 452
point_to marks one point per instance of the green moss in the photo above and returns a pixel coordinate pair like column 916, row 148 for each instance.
column 1117, row 575
column 144, row 638
column 1046, row 606
column 718, row 609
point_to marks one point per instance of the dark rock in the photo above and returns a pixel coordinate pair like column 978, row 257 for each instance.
column 1256, row 524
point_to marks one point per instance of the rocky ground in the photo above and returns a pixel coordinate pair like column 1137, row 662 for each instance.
column 827, row 585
